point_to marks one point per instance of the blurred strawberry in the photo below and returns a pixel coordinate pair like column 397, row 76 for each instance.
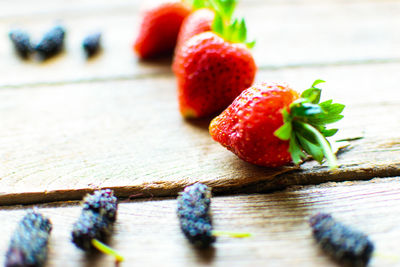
column 200, row 20
column 212, row 68
column 159, row 29
column 269, row 124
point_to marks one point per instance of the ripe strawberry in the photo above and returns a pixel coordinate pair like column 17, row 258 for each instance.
column 197, row 22
column 270, row 125
column 159, row 30
column 212, row 68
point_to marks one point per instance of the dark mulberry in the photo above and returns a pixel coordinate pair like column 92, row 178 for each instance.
column 90, row 225
column 21, row 42
column 52, row 42
column 102, row 202
column 195, row 216
column 28, row 245
column 99, row 212
column 346, row 245
column 91, row 44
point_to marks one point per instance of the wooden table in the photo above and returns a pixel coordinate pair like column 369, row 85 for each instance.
column 69, row 126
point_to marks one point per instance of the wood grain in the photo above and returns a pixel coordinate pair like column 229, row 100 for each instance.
column 288, row 33
column 69, row 126
column 128, row 135
column 147, row 232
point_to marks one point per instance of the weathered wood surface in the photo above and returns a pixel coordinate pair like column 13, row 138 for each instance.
column 68, row 126
column 128, row 135
column 147, row 232
column 288, row 33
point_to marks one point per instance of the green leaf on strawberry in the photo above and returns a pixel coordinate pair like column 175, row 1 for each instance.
column 305, row 126
column 232, row 30
column 224, row 8
column 218, row 25
column 197, row 4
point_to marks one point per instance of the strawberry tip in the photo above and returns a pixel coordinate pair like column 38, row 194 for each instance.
column 189, row 113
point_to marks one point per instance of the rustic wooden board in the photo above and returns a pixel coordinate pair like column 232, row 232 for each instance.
column 147, row 232
column 59, row 142
column 286, row 31
column 69, row 126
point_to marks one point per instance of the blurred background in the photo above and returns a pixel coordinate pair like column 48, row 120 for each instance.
column 290, row 33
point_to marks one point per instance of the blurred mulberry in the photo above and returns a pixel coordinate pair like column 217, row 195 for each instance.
column 91, row 44
column 21, row 42
column 28, row 245
column 194, row 215
column 103, row 202
column 52, row 42
column 346, row 245
column 90, row 225
column 99, row 212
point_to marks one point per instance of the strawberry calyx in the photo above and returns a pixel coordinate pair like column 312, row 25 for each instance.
column 232, row 30
column 305, row 126
column 197, row 4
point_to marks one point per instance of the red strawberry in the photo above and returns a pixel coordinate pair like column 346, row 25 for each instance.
column 197, row 22
column 159, row 30
column 269, row 125
column 212, row 68
column 211, row 73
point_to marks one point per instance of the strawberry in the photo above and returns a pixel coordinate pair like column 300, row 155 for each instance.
column 159, row 30
column 269, row 124
column 197, row 22
column 212, row 68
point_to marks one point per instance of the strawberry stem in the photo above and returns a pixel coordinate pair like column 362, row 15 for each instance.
column 231, row 234
column 232, row 30
column 324, row 144
column 305, row 126
column 107, row 250
column 197, row 4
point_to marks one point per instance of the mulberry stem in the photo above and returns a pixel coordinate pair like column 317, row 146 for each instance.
column 107, row 250
column 231, row 234
column 391, row 257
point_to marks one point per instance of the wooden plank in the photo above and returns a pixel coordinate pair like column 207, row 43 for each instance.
column 147, row 232
column 23, row 8
column 287, row 35
column 59, row 142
